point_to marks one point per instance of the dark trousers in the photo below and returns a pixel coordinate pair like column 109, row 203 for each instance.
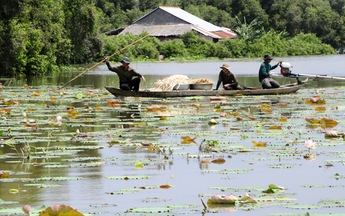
column 268, row 83
column 132, row 85
column 233, row 87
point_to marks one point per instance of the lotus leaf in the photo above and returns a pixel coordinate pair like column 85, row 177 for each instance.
column 247, row 199
column 328, row 122
column 4, row 174
column 315, row 100
column 259, row 144
column 218, row 161
column 312, row 120
column 217, row 199
column 165, row 186
column 60, row 210
column 187, row 140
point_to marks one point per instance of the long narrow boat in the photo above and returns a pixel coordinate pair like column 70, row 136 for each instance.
column 285, row 89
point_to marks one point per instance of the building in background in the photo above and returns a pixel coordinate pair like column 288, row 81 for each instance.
column 167, row 23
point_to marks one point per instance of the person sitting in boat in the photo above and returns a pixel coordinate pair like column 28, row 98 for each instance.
column 228, row 79
column 129, row 79
column 265, row 75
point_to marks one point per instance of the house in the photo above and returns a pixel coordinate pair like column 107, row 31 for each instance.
column 171, row 22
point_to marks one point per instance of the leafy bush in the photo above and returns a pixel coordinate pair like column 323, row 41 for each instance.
column 192, row 46
column 236, row 48
column 221, row 51
column 198, row 46
column 173, row 48
column 270, row 42
column 307, row 44
column 131, row 46
column 147, row 49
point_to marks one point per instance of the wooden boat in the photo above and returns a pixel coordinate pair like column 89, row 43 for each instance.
column 284, row 89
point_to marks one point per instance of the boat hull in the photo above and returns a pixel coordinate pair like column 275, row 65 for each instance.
column 286, row 89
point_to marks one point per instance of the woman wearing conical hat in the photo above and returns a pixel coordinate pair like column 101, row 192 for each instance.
column 228, row 79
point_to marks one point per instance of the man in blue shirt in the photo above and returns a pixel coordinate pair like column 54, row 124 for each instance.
column 264, row 73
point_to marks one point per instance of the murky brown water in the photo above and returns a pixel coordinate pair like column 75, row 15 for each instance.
column 89, row 174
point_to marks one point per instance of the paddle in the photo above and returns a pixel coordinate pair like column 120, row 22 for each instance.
column 104, row 60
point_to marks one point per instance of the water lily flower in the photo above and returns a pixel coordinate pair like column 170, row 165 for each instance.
column 315, row 99
column 223, row 114
column 310, row 144
column 212, row 122
column 26, row 209
column 59, row 120
column 204, row 161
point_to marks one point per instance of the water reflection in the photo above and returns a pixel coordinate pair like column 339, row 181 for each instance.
column 246, row 70
column 131, row 113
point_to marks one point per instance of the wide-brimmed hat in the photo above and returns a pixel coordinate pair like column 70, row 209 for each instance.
column 226, row 66
column 267, row 57
column 126, row 60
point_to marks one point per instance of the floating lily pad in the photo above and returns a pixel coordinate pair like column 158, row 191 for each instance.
column 128, row 177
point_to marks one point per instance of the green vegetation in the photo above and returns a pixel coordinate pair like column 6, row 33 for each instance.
column 39, row 38
column 192, row 47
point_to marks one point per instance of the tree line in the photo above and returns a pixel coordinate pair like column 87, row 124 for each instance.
column 39, row 37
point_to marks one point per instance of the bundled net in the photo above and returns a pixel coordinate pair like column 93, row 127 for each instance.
column 168, row 83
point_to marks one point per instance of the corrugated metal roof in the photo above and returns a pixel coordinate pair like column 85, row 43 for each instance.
column 158, row 30
column 190, row 18
column 225, row 34
column 176, row 29
column 205, row 32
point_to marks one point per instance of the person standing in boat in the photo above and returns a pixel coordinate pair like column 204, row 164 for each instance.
column 228, row 79
column 129, row 79
column 264, row 73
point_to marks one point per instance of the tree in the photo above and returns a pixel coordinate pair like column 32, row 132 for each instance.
column 212, row 14
column 34, row 33
column 338, row 6
column 80, row 24
column 287, row 15
column 224, row 5
column 311, row 16
column 248, row 32
column 250, row 9
column 148, row 4
column 8, row 10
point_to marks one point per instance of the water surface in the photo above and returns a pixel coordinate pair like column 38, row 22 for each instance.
column 87, row 172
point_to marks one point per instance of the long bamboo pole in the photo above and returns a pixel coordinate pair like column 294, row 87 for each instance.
column 293, row 75
column 317, row 76
column 122, row 49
